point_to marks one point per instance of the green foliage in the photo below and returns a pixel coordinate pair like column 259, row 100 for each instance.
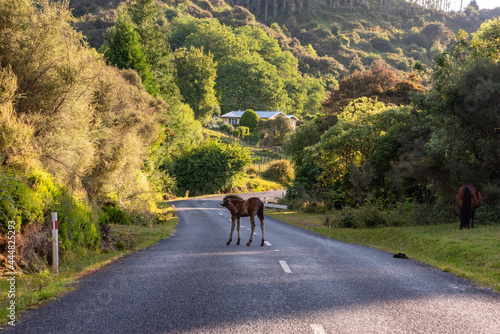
column 280, row 171
column 196, row 74
column 30, row 201
column 274, row 132
column 210, row 160
column 244, row 131
column 249, row 119
column 463, row 108
column 123, row 49
column 253, row 71
column 112, row 214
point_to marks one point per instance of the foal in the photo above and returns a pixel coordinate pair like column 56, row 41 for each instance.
column 244, row 208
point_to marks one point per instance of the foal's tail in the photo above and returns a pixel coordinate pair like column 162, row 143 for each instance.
column 260, row 213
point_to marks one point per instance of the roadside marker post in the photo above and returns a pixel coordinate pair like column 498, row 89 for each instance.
column 55, row 245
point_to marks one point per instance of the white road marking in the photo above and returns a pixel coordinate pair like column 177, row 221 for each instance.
column 267, row 243
column 220, row 213
column 285, row 267
column 318, row 329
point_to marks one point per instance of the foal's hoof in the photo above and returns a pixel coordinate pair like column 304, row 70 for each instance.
column 262, row 243
column 227, row 243
column 248, row 243
column 238, row 242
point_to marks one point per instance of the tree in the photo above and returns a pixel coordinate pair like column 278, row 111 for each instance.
column 474, row 5
column 152, row 26
column 463, row 107
column 249, row 119
column 486, row 41
column 275, row 131
column 250, row 82
column 196, row 74
column 123, row 49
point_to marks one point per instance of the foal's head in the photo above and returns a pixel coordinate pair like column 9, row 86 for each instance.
column 226, row 202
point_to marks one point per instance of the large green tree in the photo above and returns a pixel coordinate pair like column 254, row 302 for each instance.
column 463, row 106
column 250, row 83
column 196, row 74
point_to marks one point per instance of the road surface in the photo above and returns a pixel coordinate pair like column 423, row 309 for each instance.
column 299, row 282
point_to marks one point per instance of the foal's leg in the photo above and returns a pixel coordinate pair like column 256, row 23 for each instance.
column 262, row 228
column 232, row 229
column 472, row 219
column 252, row 220
column 238, row 228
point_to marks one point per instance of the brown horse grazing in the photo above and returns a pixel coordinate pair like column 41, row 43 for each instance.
column 244, row 208
column 468, row 200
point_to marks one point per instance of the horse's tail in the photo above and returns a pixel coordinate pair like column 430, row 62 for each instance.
column 466, row 208
column 260, row 212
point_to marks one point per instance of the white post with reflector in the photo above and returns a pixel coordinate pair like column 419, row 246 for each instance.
column 55, row 245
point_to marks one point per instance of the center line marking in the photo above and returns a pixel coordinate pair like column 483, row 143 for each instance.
column 267, row 243
column 285, row 267
column 318, row 329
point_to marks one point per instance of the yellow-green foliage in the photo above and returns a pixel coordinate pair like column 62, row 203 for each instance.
column 280, row 171
column 92, row 124
column 73, row 131
column 15, row 134
column 28, row 199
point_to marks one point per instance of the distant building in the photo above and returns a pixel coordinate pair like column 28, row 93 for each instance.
column 233, row 117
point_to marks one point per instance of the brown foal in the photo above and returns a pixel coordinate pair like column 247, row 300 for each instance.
column 244, row 208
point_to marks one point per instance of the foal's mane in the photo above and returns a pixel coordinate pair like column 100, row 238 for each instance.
column 229, row 197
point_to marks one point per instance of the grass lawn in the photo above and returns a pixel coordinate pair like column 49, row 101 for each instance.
column 34, row 290
column 473, row 254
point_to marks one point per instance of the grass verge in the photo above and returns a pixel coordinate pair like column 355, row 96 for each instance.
column 254, row 183
column 36, row 289
column 472, row 254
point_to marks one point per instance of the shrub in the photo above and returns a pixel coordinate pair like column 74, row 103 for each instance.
column 249, row 119
column 226, row 128
column 336, row 28
column 244, row 132
column 236, row 132
column 382, row 45
column 112, row 214
column 280, row 171
column 209, row 167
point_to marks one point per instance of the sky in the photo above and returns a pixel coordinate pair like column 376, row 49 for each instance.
column 487, row 4
column 483, row 4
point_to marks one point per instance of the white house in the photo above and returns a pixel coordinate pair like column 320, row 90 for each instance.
column 233, row 117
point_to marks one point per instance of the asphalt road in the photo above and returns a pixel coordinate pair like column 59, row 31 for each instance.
column 299, row 282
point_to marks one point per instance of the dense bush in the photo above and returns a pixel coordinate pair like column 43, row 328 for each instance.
column 209, row 167
column 280, row 171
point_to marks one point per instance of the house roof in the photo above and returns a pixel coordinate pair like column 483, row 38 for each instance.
column 261, row 114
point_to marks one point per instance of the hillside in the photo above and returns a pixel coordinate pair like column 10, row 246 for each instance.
column 331, row 40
